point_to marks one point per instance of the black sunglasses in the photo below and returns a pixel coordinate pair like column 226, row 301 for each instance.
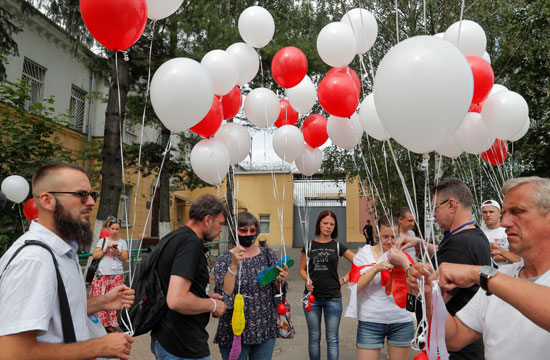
column 83, row 194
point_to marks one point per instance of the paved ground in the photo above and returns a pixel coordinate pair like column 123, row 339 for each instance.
column 285, row 349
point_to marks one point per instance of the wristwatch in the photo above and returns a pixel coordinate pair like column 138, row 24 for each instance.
column 485, row 273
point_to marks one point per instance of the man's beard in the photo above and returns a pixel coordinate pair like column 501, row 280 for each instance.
column 207, row 236
column 76, row 230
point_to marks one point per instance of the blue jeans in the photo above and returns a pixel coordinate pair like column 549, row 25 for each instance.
column 161, row 353
column 263, row 351
column 333, row 311
column 372, row 335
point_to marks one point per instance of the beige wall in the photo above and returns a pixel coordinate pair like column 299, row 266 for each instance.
column 352, row 212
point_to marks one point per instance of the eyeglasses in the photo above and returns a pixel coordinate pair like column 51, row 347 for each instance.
column 441, row 203
column 244, row 230
column 83, row 194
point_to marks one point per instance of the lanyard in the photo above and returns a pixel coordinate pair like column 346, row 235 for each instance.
column 455, row 230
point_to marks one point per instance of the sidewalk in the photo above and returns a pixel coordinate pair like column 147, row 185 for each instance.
column 286, row 349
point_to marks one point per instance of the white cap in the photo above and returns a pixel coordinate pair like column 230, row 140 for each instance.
column 490, row 203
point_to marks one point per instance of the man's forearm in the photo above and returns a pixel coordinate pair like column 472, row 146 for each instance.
column 14, row 348
column 95, row 304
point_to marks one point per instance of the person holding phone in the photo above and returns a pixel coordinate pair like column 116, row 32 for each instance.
column 113, row 252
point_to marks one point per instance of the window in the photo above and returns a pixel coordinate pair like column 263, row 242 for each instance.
column 34, row 74
column 265, row 223
column 129, row 136
column 76, row 108
column 124, row 206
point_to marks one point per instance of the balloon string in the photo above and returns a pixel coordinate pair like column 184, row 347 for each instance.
column 21, row 218
column 396, row 22
column 460, row 23
column 141, row 138
column 121, row 134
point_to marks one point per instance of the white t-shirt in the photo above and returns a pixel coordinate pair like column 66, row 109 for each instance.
column 507, row 334
column 372, row 304
column 28, row 288
column 496, row 236
column 110, row 264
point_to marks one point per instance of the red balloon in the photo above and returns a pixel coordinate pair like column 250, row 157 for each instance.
column 211, row 122
column 281, row 310
column 421, row 356
column 311, row 298
column 287, row 116
column 475, row 108
column 315, row 131
column 351, row 73
column 337, row 95
column 231, row 103
column 496, row 153
column 484, row 78
column 30, row 210
column 117, row 25
column 289, row 66
column 308, row 307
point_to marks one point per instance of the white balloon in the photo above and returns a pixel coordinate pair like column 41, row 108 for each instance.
column 247, row 61
column 370, row 121
column 472, row 40
column 159, row 9
column 345, row 132
column 222, row 69
column 303, row 96
column 181, row 93
column 262, row 107
column 210, row 160
column 497, row 88
column 450, row 148
column 288, row 142
column 16, row 188
column 309, row 161
column 506, row 113
column 336, row 44
column 256, row 26
column 237, row 141
column 364, row 28
column 422, row 90
column 522, row 132
column 473, row 134
column 440, row 35
column 487, row 57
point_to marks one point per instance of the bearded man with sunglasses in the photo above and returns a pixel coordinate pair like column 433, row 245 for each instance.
column 31, row 317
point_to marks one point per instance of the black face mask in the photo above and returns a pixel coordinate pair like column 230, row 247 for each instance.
column 246, row 240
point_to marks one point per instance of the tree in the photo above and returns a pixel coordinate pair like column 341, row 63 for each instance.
column 8, row 46
column 28, row 140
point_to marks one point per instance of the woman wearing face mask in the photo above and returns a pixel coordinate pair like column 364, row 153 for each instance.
column 241, row 265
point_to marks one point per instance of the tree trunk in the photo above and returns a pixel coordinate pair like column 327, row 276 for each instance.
column 164, row 187
column 111, row 170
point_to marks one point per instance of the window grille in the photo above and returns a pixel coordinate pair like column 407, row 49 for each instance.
column 34, row 74
column 77, row 107
column 265, row 223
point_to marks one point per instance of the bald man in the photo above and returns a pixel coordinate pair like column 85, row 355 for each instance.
column 30, row 315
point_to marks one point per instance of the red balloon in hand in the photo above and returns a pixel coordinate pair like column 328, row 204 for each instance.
column 484, row 78
column 30, row 210
column 117, row 25
column 308, row 307
column 289, row 66
column 210, row 124
column 337, row 94
column 315, row 130
column 421, row 356
column 311, row 298
column 496, row 153
column 287, row 116
column 231, row 103
column 281, row 310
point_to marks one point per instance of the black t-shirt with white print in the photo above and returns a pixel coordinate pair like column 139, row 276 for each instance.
column 323, row 268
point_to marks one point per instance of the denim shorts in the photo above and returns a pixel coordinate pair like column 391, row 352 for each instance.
column 371, row 335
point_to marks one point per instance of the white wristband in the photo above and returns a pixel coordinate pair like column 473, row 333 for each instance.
column 215, row 305
column 231, row 272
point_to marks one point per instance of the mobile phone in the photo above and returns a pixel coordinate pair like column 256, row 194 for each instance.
column 115, row 246
column 411, row 303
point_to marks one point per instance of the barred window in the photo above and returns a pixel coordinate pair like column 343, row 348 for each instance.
column 124, row 206
column 76, row 108
column 265, row 223
column 34, row 74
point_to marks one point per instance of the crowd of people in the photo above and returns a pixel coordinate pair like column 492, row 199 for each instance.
column 494, row 279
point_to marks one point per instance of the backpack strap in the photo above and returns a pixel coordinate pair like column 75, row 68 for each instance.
column 66, row 318
column 337, row 248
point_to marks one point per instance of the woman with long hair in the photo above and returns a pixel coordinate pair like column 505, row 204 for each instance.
column 321, row 257
column 113, row 252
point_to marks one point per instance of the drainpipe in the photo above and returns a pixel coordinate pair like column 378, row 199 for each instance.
column 90, row 114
